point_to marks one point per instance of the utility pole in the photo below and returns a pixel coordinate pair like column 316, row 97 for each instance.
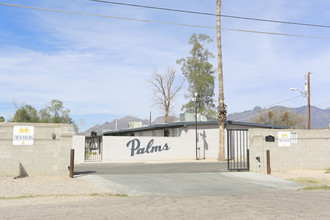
column 309, row 99
column 306, row 93
column 222, row 108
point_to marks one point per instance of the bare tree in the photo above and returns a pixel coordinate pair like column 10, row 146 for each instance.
column 222, row 110
column 281, row 117
column 165, row 88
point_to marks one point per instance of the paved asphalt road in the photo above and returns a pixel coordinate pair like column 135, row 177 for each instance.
column 179, row 179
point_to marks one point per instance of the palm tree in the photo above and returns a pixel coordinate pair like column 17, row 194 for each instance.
column 222, row 107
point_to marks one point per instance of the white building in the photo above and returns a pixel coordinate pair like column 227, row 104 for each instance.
column 164, row 142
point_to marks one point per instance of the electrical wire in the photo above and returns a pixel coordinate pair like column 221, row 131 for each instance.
column 267, row 110
column 212, row 14
column 286, row 100
column 164, row 22
column 105, row 16
column 291, row 116
column 275, row 33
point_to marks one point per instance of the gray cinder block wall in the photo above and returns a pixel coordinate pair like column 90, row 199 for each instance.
column 49, row 155
column 309, row 149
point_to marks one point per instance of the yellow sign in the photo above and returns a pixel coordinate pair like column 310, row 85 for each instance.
column 23, row 135
column 284, row 139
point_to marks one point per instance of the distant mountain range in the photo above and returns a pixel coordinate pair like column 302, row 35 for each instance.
column 122, row 123
column 320, row 118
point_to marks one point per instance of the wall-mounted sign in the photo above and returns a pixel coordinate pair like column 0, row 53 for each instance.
column 284, row 139
column 270, row 138
column 23, row 135
column 135, row 146
column 294, row 138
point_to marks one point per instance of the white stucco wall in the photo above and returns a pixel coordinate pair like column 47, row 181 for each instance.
column 79, row 148
column 208, row 139
column 117, row 149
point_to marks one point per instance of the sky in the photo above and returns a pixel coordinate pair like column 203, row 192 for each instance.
column 99, row 66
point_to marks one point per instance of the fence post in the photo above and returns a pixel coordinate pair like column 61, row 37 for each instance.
column 248, row 159
column 71, row 163
column 269, row 171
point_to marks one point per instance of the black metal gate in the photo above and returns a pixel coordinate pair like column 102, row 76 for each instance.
column 237, row 149
column 93, row 148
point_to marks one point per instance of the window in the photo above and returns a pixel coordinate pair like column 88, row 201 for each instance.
column 176, row 132
column 166, row 133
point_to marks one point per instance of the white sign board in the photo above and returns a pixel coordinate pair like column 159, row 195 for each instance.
column 294, row 138
column 284, row 139
column 23, row 135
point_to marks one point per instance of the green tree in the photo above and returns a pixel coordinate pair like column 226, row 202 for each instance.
column 44, row 115
column 2, row 119
column 55, row 112
column 199, row 73
column 26, row 114
column 281, row 118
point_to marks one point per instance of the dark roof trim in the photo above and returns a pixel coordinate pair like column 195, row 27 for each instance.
column 148, row 128
column 185, row 124
column 255, row 125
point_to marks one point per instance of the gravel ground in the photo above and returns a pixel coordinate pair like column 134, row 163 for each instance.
column 266, row 205
column 66, row 198
column 310, row 178
column 40, row 185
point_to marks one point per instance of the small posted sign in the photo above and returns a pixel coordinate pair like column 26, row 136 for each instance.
column 23, row 135
column 294, row 138
column 284, row 139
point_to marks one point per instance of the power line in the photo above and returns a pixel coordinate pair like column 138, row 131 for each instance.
column 270, row 109
column 286, row 100
column 212, row 14
column 163, row 22
column 275, row 33
column 291, row 116
column 104, row 16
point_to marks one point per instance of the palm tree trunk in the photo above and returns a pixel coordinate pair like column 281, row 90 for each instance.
column 222, row 107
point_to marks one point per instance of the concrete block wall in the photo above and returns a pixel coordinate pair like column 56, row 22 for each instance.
column 311, row 150
column 47, row 156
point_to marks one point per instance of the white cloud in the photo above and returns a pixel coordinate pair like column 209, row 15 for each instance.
column 99, row 65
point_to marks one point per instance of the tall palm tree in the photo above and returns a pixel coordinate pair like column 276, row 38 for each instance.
column 222, row 111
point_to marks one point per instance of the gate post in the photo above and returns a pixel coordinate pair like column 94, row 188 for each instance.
column 269, row 171
column 248, row 159
column 71, row 163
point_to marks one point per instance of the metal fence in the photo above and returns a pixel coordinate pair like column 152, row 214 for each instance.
column 93, row 149
column 237, row 149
